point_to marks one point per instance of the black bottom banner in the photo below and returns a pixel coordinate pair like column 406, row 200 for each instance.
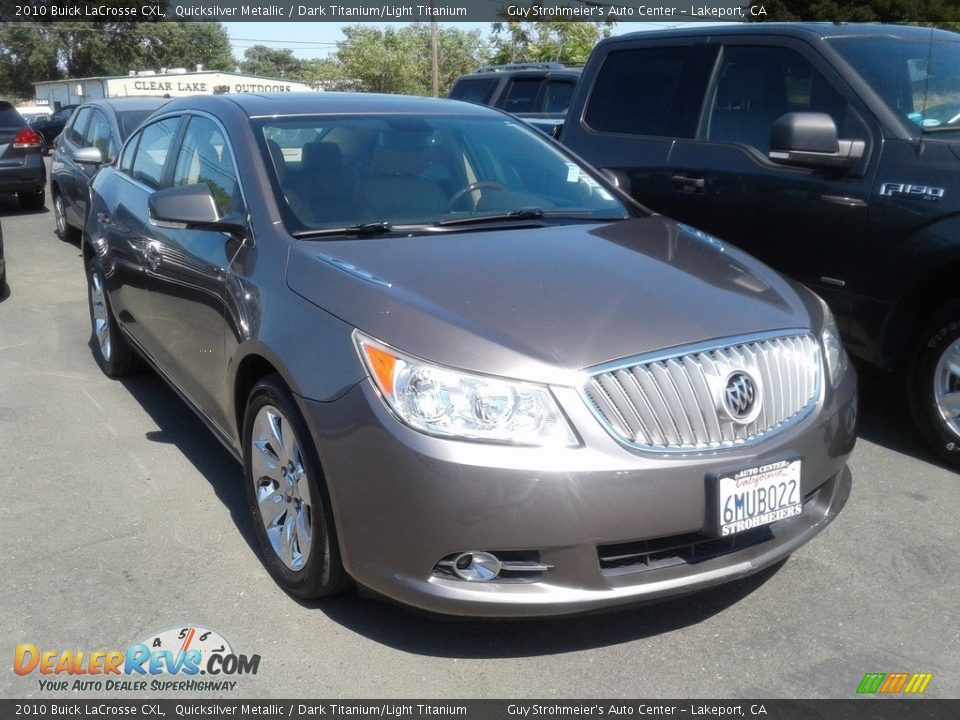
column 859, row 709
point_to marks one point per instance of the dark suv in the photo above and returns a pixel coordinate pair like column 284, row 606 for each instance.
column 830, row 151
column 540, row 93
column 21, row 163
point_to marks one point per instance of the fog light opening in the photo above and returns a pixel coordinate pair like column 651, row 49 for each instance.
column 474, row 566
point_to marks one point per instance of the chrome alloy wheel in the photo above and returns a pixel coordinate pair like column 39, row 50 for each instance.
column 100, row 315
column 946, row 386
column 59, row 215
column 282, row 487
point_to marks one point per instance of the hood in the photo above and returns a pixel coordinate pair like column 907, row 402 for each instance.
column 538, row 303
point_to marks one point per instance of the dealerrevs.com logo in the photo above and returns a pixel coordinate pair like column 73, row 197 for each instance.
column 894, row 683
column 168, row 660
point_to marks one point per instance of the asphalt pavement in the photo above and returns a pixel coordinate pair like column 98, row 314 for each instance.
column 121, row 517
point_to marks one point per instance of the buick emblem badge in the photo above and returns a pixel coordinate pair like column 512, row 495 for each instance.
column 741, row 397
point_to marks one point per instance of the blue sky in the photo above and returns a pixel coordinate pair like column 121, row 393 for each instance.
column 313, row 40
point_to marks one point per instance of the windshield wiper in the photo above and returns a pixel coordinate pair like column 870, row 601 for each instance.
column 525, row 214
column 363, row 229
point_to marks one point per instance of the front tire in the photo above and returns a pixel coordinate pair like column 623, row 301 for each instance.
column 287, row 496
column 933, row 383
column 63, row 229
column 114, row 356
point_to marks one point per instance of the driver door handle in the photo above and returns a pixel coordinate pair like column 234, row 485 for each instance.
column 688, row 183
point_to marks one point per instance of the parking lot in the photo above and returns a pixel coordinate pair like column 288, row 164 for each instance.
column 121, row 516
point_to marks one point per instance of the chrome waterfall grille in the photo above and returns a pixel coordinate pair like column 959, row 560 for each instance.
column 709, row 397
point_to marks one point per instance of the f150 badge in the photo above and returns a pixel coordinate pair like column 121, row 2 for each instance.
column 917, row 192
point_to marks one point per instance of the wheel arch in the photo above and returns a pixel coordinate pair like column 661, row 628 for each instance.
column 922, row 298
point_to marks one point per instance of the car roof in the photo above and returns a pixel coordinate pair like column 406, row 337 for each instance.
column 808, row 30
column 124, row 104
column 323, row 103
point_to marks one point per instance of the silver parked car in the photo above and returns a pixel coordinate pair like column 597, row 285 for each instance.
column 457, row 365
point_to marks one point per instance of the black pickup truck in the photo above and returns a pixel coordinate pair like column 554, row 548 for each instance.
column 830, row 151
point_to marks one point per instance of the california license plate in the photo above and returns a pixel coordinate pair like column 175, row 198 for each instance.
column 758, row 496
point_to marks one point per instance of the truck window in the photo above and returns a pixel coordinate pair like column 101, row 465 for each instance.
column 757, row 85
column 478, row 90
column 637, row 92
column 558, row 97
column 917, row 78
column 522, row 95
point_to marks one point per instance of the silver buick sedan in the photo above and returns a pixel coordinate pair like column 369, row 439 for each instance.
column 459, row 367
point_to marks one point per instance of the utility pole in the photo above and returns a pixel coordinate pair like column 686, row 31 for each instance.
column 435, row 70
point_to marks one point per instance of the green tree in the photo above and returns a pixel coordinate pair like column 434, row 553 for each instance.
column 328, row 74
column 25, row 56
column 32, row 52
column 271, row 62
column 566, row 42
column 188, row 44
column 397, row 60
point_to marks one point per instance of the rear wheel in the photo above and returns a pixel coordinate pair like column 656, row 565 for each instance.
column 933, row 380
column 114, row 356
column 287, row 495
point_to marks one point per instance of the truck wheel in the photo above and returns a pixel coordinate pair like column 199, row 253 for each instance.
column 933, row 383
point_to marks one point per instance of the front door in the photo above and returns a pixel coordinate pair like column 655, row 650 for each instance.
column 809, row 224
column 187, row 280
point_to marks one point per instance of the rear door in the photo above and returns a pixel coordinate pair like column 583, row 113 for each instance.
column 809, row 224
column 642, row 99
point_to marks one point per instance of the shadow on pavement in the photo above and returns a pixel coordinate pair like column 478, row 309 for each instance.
column 885, row 417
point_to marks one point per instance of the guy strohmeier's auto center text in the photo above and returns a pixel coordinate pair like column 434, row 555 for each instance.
column 387, row 11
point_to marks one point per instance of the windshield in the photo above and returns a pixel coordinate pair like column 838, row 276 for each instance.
column 336, row 171
column 919, row 79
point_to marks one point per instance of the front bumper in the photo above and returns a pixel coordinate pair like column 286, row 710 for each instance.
column 403, row 501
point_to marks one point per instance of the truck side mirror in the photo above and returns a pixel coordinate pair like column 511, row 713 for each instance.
column 809, row 139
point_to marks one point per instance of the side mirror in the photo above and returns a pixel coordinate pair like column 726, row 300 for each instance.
column 557, row 130
column 88, row 156
column 195, row 207
column 809, row 139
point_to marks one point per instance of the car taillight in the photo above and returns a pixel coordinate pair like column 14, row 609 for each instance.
column 27, row 138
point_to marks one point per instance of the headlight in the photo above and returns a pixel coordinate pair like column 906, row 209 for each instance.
column 451, row 403
column 833, row 350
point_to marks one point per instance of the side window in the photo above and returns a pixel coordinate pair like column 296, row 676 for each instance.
column 152, row 150
column 100, row 136
column 78, row 125
column 522, row 95
column 642, row 92
column 205, row 157
column 757, row 85
column 126, row 157
column 558, row 97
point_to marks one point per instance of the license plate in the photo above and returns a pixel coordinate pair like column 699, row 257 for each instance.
column 758, row 496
